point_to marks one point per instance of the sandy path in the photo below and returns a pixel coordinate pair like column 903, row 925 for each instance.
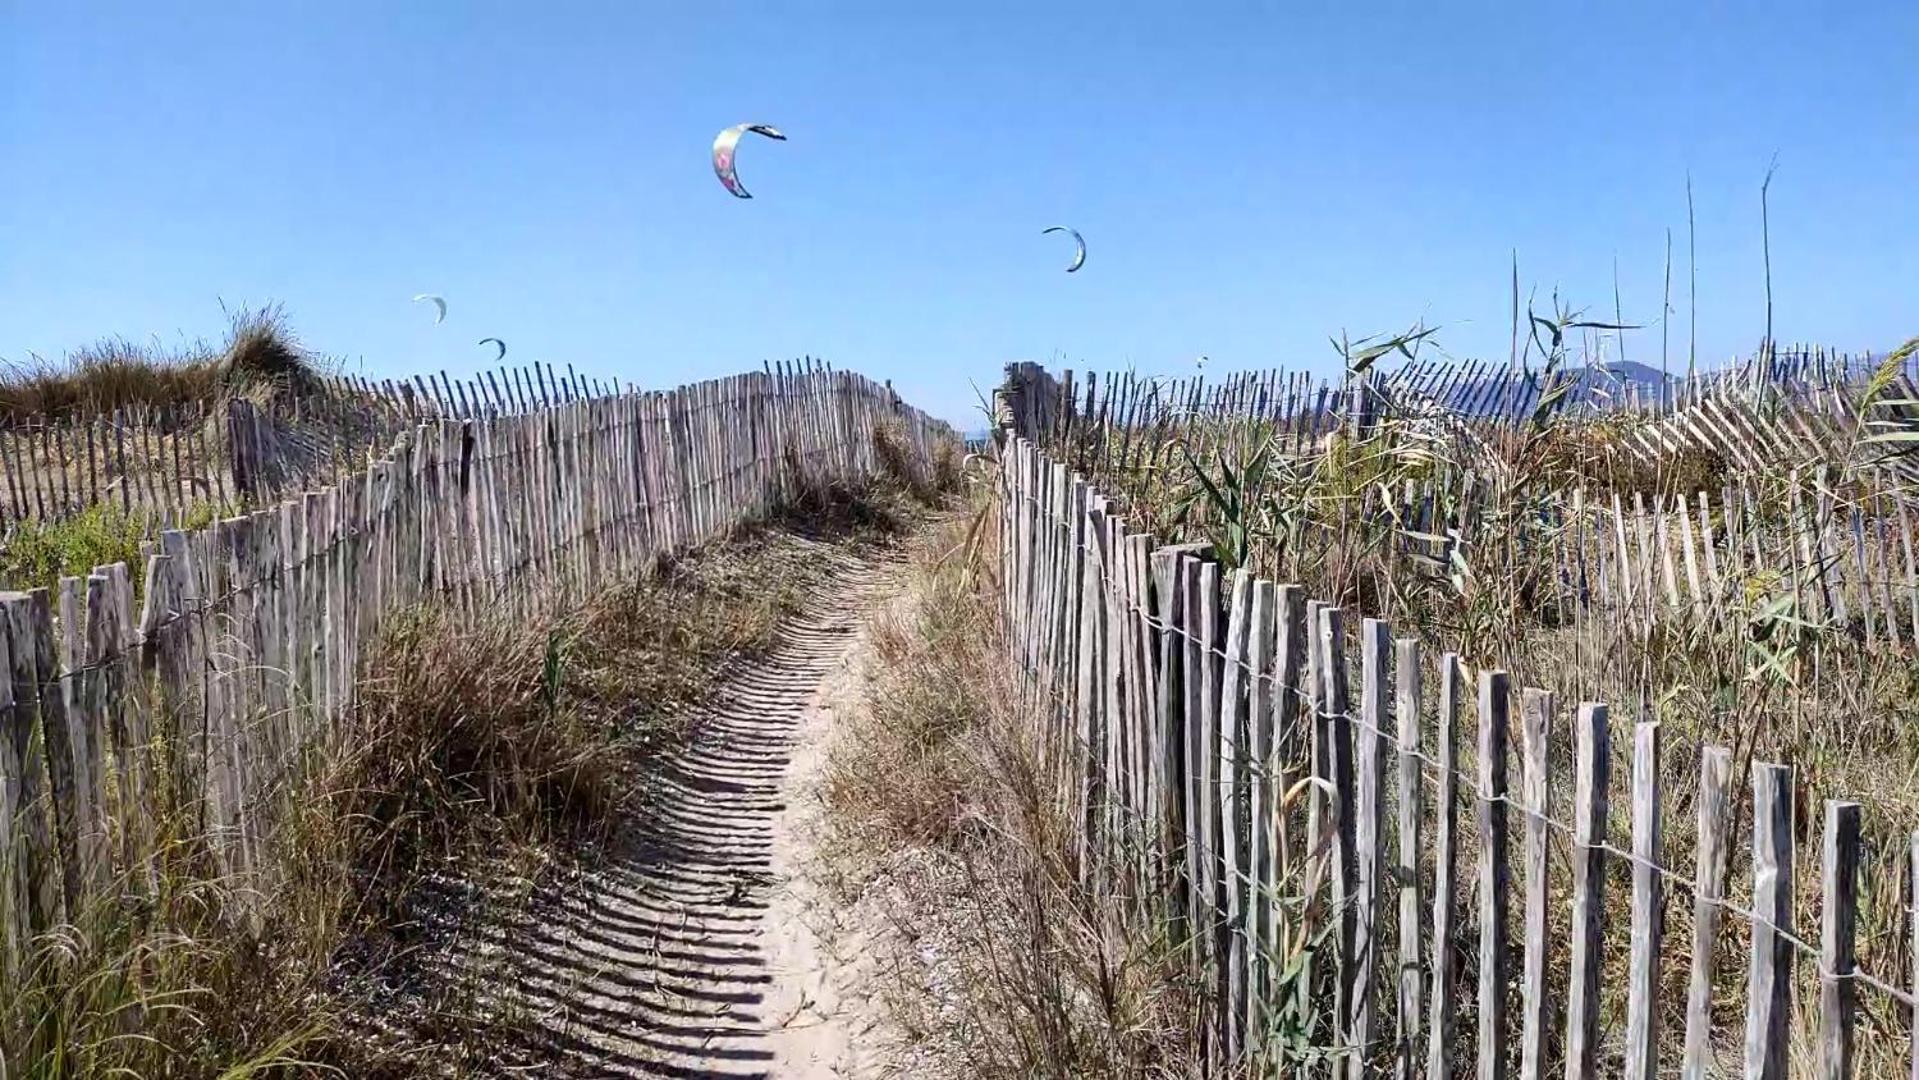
column 819, row 955
column 708, row 949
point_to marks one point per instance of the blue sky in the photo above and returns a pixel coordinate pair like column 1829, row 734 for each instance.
column 1249, row 178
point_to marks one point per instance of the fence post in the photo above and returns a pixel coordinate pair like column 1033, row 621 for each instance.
column 1769, row 987
column 1192, row 788
column 1255, row 795
column 1227, row 745
column 1112, row 745
column 1715, row 819
column 1090, row 697
column 1838, row 917
column 1642, row 992
column 1406, row 706
column 1169, row 594
column 34, row 870
column 120, row 446
column 1535, row 733
column 1203, row 765
column 70, row 764
column 1319, row 808
column 1494, row 873
column 1141, row 724
column 1272, row 858
column 1442, row 1002
column 1591, row 785
column 1374, row 642
column 15, row 933
column 1336, row 727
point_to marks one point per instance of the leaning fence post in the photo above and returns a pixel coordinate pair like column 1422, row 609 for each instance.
column 1769, row 985
column 1494, row 874
column 1709, row 875
column 1837, row 920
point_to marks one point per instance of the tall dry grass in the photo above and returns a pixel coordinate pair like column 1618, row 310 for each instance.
column 1493, row 574
column 943, row 771
column 480, row 739
column 260, row 355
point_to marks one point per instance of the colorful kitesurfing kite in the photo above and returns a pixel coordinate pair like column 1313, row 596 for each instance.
column 1079, row 257
column 725, row 147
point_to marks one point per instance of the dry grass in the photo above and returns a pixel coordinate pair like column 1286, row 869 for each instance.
column 1769, row 675
column 260, row 355
column 514, row 749
column 1032, row 978
column 900, row 464
column 481, row 740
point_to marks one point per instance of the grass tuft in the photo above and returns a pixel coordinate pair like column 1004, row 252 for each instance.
column 942, row 803
column 260, row 355
column 37, row 554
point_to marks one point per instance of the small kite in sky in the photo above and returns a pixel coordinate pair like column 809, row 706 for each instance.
column 725, row 147
column 498, row 342
column 1079, row 257
column 439, row 303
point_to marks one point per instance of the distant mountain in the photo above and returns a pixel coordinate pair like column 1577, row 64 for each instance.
column 1630, row 371
column 1499, row 393
column 1492, row 392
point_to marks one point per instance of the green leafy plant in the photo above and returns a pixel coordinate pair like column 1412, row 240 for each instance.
column 1230, row 497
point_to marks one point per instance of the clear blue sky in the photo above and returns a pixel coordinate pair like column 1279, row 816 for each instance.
column 1249, row 179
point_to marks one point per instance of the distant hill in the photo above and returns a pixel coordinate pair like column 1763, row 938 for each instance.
column 1599, row 386
column 1593, row 386
column 1631, row 371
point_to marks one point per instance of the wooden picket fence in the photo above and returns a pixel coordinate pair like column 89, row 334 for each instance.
column 215, row 666
column 1769, row 412
column 1809, row 519
column 182, row 463
column 1200, row 727
column 1486, row 392
column 158, row 461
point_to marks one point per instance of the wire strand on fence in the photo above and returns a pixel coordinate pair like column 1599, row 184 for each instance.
column 1433, row 769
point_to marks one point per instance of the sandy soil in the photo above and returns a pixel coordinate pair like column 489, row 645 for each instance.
column 820, row 954
column 710, row 946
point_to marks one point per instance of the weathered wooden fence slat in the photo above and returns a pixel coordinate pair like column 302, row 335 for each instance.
column 243, row 647
column 1343, row 826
